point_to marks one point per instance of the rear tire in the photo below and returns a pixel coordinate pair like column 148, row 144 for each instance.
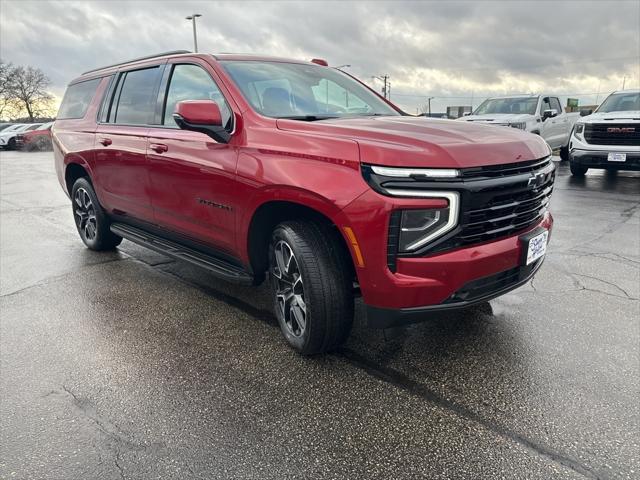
column 92, row 222
column 311, row 286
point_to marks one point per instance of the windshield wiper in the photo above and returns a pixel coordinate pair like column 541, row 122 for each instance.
column 308, row 118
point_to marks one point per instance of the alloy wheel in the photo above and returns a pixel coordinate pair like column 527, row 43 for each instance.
column 85, row 214
column 290, row 297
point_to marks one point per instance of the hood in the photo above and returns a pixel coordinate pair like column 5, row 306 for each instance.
column 9, row 134
column 406, row 141
column 500, row 118
column 611, row 116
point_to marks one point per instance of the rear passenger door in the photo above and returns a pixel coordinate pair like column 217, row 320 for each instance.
column 193, row 176
column 121, row 142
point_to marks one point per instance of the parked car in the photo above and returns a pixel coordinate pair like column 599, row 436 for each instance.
column 539, row 114
column 261, row 168
column 37, row 139
column 8, row 135
column 610, row 137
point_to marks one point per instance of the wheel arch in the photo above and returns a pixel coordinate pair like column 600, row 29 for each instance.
column 72, row 172
column 272, row 212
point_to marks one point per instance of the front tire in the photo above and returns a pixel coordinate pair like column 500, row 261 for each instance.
column 577, row 170
column 564, row 153
column 91, row 220
column 311, row 286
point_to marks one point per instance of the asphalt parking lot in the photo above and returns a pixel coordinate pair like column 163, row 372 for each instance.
column 129, row 365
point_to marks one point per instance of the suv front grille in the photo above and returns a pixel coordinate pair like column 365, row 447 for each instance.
column 492, row 171
column 496, row 201
column 623, row 134
column 501, row 208
column 504, row 214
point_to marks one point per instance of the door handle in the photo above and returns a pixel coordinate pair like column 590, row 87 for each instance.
column 105, row 141
column 158, row 147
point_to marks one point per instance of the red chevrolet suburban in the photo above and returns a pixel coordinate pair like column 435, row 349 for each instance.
column 257, row 167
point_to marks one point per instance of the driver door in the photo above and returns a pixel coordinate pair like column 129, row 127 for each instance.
column 192, row 177
column 549, row 127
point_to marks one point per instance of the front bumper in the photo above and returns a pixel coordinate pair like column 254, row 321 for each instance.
column 436, row 277
column 428, row 282
column 599, row 159
column 472, row 293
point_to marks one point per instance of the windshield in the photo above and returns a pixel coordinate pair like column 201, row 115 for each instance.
column 302, row 91
column 522, row 105
column 620, row 102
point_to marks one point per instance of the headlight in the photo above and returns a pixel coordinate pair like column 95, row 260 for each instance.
column 421, row 226
column 520, row 125
column 579, row 129
column 402, row 172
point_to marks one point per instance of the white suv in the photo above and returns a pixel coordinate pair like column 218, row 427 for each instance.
column 8, row 135
column 610, row 137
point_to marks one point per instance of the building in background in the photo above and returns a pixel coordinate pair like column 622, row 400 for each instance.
column 457, row 112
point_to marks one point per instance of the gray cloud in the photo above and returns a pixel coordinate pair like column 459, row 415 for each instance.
column 429, row 48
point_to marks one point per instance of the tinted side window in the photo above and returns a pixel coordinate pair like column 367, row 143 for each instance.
column 555, row 103
column 190, row 82
column 136, row 102
column 77, row 99
column 544, row 105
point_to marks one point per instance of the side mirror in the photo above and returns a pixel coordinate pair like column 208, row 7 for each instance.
column 201, row 116
column 586, row 111
column 549, row 114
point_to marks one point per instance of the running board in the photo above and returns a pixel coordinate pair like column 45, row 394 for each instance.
column 221, row 268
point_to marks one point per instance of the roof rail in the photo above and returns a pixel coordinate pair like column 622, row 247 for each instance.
column 148, row 57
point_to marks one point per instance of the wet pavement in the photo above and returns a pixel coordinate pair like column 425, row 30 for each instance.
column 127, row 365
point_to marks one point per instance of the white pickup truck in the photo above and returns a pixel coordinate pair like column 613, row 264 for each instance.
column 608, row 138
column 539, row 114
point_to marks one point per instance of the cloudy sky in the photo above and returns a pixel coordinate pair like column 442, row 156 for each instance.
column 458, row 52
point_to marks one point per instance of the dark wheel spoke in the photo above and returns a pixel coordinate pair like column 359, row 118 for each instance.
column 85, row 214
column 289, row 289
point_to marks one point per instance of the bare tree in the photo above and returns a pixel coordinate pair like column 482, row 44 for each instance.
column 7, row 100
column 28, row 87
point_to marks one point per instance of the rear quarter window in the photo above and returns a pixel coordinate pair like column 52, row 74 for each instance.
column 77, row 99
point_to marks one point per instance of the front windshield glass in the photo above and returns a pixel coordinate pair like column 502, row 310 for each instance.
column 620, row 102
column 521, row 105
column 302, row 91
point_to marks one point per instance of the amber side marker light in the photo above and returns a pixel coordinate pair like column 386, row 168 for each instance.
column 354, row 244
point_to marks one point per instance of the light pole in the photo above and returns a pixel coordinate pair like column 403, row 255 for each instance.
column 195, row 37
column 386, row 89
column 429, row 102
